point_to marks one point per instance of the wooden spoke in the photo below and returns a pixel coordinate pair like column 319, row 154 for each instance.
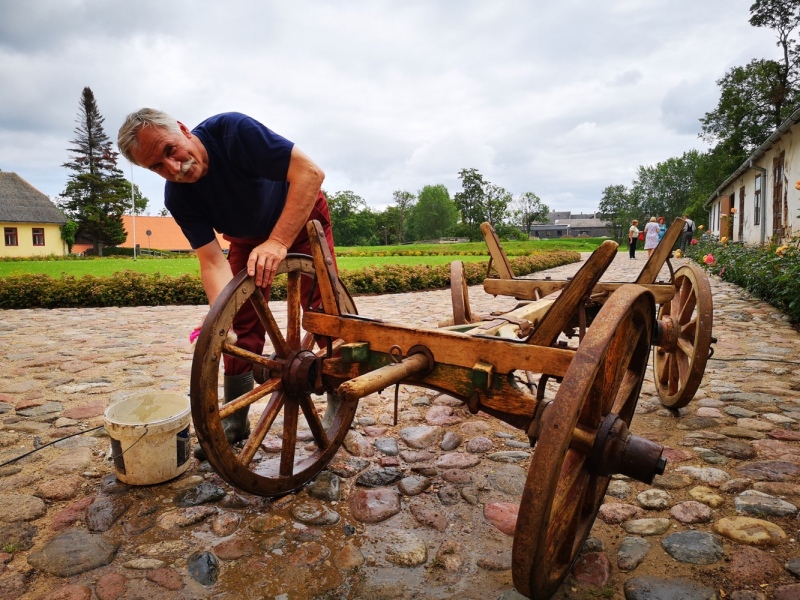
column 627, row 386
column 273, row 331
column 290, row 414
column 259, row 432
column 251, row 357
column 247, row 468
column 249, row 398
column 293, row 303
column 314, row 422
column 561, row 497
column 679, row 367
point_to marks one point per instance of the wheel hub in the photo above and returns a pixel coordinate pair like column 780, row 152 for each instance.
column 666, row 337
column 300, row 372
column 617, row 450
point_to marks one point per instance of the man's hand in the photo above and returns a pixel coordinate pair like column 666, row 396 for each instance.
column 264, row 260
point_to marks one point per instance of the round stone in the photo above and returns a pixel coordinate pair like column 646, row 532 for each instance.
column 747, row 530
column 691, row 512
column 406, row 550
column 653, row 499
column 694, row 547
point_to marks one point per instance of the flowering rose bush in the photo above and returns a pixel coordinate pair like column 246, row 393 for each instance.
column 709, row 259
column 768, row 272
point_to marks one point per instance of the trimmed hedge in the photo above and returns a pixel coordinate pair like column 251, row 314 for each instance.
column 128, row 288
column 771, row 273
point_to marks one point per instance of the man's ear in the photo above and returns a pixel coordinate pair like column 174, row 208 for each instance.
column 185, row 130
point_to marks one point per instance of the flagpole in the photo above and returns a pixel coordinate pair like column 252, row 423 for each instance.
column 133, row 214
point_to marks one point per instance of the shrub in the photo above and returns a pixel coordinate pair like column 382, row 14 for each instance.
column 768, row 272
column 128, row 288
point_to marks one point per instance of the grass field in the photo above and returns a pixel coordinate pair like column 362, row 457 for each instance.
column 103, row 267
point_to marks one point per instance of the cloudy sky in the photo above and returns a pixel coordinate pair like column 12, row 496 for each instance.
column 556, row 98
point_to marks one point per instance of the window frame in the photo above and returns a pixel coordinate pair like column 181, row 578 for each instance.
column 37, row 232
column 757, row 188
column 11, row 236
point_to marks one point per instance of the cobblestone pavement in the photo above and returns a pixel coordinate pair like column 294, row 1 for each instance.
column 423, row 509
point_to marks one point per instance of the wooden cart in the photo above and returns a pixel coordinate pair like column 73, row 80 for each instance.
column 683, row 336
column 580, row 436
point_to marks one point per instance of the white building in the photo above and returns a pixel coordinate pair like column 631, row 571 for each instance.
column 763, row 192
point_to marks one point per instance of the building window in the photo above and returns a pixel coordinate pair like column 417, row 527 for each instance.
column 777, row 196
column 11, row 236
column 757, row 200
column 741, row 214
column 38, row 236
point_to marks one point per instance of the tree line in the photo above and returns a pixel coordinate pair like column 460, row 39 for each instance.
column 754, row 100
column 431, row 214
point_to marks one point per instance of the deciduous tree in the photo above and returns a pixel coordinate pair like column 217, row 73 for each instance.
column 352, row 221
column 435, row 214
column 404, row 202
column 471, row 200
column 756, row 98
column 618, row 207
column 528, row 209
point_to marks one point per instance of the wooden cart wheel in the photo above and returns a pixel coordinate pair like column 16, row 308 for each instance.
column 459, row 293
column 289, row 373
column 561, row 496
column 686, row 322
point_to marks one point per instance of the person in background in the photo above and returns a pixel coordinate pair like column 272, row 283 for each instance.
column 688, row 233
column 662, row 228
column 651, row 236
column 233, row 175
column 633, row 238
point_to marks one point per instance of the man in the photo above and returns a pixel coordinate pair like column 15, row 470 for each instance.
column 688, row 233
column 233, row 175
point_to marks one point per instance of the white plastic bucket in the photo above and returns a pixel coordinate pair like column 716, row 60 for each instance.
column 149, row 437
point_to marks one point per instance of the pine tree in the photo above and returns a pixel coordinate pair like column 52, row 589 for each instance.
column 95, row 196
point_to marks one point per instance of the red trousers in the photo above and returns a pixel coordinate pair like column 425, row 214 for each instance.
column 246, row 324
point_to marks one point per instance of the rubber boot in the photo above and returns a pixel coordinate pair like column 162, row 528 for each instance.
column 235, row 426
column 331, row 408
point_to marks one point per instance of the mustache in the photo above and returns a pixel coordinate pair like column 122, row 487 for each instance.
column 185, row 166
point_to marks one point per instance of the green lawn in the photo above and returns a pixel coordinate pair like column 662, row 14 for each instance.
column 576, row 244
column 102, row 267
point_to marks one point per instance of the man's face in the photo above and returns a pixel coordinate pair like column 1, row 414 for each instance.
column 178, row 157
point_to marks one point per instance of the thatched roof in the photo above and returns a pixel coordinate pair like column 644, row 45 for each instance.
column 22, row 203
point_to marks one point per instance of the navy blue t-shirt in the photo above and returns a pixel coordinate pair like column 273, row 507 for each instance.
column 244, row 190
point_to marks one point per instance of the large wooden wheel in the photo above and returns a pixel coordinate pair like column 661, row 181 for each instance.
column 459, row 293
column 565, row 485
column 686, row 322
column 290, row 376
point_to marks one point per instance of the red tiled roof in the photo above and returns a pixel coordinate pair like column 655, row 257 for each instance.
column 165, row 234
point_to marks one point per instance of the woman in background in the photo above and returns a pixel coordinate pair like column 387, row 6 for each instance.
column 633, row 237
column 651, row 236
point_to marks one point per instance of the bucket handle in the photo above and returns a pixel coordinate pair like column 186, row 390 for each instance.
column 111, row 455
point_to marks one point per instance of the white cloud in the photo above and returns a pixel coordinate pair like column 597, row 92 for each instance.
column 561, row 99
